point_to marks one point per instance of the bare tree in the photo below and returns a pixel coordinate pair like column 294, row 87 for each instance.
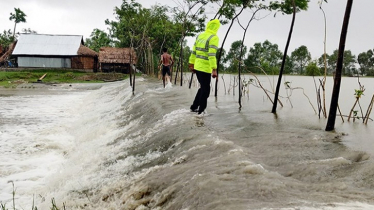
column 339, row 66
column 274, row 110
column 241, row 52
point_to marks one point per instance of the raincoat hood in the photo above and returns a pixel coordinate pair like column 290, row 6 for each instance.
column 213, row 26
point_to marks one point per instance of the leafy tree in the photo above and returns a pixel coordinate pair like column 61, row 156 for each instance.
column 98, row 39
column 321, row 64
column 145, row 29
column 312, row 69
column 349, row 61
column 176, row 53
column 188, row 23
column 228, row 11
column 6, row 38
column 331, row 61
column 288, row 65
column 366, row 62
column 286, row 7
column 186, row 51
column 18, row 16
column 221, row 52
column 233, row 56
column 243, row 51
column 301, row 57
column 265, row 55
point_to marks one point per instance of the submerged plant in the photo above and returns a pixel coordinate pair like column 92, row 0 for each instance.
column 355, row 115
column 289, row 94
column 358, row 93
column 53, row 207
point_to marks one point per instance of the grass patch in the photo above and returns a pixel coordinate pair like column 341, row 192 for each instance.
column 14, row 78
column 53, row 207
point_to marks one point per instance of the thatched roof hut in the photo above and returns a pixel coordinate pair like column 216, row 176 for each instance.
column 117, row 55
column 85, row 51
column 86, row 59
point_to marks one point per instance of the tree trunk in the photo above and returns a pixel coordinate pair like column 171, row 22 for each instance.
column 14, row 31
column 150, row 60
column 325, row 65
column 240, row 66
column 181, row 62
column 130, row 67
column 133, row 83
column 220, row 52
column 274, row 110
column 339, row 66
column 176, row 74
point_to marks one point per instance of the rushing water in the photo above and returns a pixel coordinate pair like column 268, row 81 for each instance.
column 101, row 147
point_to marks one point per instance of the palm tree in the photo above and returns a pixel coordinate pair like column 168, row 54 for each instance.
column 18, row 17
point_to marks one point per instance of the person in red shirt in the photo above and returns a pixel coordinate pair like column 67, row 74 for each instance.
column 166, row 61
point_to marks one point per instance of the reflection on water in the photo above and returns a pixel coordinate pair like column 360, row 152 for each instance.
column 109, row 149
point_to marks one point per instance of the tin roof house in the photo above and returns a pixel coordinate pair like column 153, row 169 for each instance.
column 54, row 51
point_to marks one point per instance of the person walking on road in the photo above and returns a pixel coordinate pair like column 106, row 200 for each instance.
column 167, row 62
column 203, row 62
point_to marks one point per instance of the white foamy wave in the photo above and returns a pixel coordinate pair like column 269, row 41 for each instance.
column 33, row 140
column 330, row 206
column 332, row 161
column 254, row 169
column 168, row 85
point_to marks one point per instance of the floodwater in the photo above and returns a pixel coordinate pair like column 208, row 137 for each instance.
column 99, row 146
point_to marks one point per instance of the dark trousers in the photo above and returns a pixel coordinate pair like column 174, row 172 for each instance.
column 165, row 70
column 202, row 95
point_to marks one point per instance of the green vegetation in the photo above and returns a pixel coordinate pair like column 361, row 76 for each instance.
column 53, row 207
column 312, row 69
column 14, row 78
column 148, row 30
column 18, row 17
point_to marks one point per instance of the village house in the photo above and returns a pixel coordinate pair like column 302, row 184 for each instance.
column 54, row 51
column 117, row 59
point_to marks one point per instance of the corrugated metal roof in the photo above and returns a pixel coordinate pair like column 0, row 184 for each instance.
column 44, row 44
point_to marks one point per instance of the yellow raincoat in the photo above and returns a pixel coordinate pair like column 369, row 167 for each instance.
column 203, row 54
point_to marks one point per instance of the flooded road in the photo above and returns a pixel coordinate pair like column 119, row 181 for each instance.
column 101, row 147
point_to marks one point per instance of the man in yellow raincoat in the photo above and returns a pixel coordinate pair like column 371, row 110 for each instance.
column 203, row 62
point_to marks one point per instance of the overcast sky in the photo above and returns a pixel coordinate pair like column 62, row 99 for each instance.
column 80, row 17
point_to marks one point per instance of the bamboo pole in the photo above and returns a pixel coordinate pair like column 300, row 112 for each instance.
column 369, row 110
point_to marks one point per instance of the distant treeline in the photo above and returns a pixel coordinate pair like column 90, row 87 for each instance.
column 148, row 30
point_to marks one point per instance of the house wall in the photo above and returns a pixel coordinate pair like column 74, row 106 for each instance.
column 115, row 67
column 44, row 62
column 84, row 62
